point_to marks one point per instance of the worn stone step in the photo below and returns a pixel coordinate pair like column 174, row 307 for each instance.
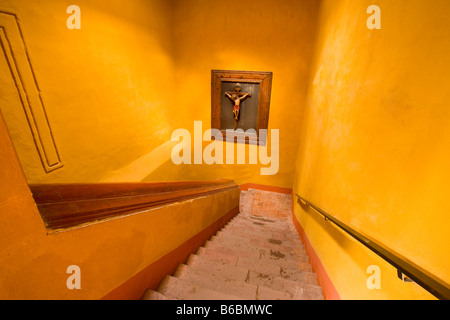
column 228, row 285
column 265, row 293
column 261, row 241
column 217, row 268
column 231, row 259
column 307, row 289
column 246, row 203
column 241, row 270
column 291, row 241
column 259, row 225
column 258, row 229
column 222, row 283
column 252, row 243
column 286, row 267
column 218, row 256
column 254, row 253
column 176, row 288
column 215, row 255
column 154, row 295
column 251, row 233
column 258, row 218
column 264, row 278
column 247, row 250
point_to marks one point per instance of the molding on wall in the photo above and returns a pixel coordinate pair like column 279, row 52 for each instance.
column 67, row 206
column 13, row 46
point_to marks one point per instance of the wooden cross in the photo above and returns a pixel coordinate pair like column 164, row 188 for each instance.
column 237, row 97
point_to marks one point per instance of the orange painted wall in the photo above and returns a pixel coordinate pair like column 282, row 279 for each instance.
column 250, row 35
column 374, row 148
column 107, row 88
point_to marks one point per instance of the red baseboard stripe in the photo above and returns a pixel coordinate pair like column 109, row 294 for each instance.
column 247, row 186
column 150, row 277
column 329, row 291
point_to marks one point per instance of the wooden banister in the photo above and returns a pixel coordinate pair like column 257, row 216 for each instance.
column 64, row 206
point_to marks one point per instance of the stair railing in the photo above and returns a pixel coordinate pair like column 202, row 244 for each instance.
column 434, row 285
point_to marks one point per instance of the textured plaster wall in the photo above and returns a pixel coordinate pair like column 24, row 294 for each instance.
column 374, row 148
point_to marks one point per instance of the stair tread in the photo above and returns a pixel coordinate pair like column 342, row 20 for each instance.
column 176, row 288
column 260, row 242
column 244, row 290
column 217, row 282
column 240, row 272
column 306, row 290
column 257, row 255
column 262, row 224
column 293, row 242
column 217, row 268
column 289, row 234
column 154, row 295
column 217, row 256
column 241, row 249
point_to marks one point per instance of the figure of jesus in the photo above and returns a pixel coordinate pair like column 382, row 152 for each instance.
column 237, row 97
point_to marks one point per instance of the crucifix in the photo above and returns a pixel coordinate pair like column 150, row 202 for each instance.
column 237, row 97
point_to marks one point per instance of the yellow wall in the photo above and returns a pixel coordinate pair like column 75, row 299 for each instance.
column 107, row 88
column 108, row 92
column 250, row 35
column 375, row 145
column 34, row 263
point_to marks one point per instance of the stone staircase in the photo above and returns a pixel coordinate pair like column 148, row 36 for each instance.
column 257, row 256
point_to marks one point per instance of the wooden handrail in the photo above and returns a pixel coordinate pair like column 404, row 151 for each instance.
column 64, row 206
column 437, row 287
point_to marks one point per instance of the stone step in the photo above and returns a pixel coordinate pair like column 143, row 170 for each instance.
column 217, row 256
column 255, row 243
column 285, row 266
column 175, row 288
column 254, row 253
column 265, row 278
column 225, row 284
column 258, row 218
column 265, row 293
column 307, row 289
column 212, row 254
column 293, row 241
column 257, row 255
column 246, row 266
column 282, row 236
column 154, row 295
column 261, row 241
column 246, row 250
column 243, row 290
column 217, row 268
column 259, row 225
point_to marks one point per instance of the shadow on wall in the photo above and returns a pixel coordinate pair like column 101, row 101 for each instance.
column 142, row 168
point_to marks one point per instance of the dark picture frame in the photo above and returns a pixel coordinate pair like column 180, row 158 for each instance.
column 263, row 80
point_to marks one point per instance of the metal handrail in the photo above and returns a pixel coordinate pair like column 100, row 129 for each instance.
column 434, row 285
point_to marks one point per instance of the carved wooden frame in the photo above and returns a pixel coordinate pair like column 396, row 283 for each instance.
column 264, row 79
